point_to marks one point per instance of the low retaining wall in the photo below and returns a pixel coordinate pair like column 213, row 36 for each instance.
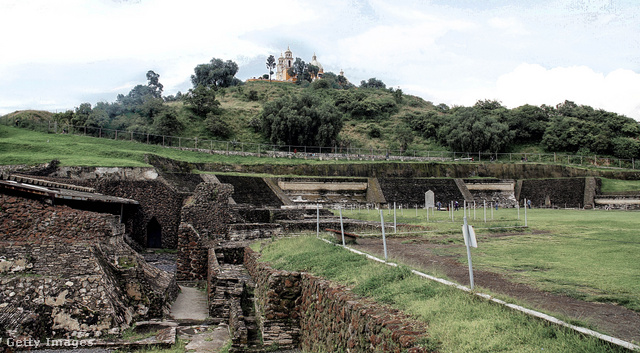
column 302, row 310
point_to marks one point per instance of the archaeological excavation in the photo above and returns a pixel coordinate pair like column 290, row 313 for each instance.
column 73, row 241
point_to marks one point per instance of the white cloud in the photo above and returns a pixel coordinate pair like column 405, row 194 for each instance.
column 509, row 25
column 617, row 91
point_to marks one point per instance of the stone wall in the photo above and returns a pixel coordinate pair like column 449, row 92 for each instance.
column 251, row 190
column 24, row 220
column 410, row 191
column 157, row 200
column 193, row 254
column 208, row 210
column 561, row 192
column 301, row 310
column 69, row 273
column 276, row 296
column 205, row 219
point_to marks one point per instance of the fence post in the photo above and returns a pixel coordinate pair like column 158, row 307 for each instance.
column 116, row 135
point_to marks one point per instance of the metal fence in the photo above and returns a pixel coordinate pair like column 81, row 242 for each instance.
column 317, row 152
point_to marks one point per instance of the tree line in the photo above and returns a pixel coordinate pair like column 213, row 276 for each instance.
column 315, row 114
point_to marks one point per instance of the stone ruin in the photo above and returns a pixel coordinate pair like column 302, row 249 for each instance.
column 68, row 267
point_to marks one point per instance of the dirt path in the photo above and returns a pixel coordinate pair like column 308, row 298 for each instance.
column 191, row 304
column 613, row 320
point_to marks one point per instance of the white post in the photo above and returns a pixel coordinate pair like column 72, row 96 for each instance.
column 518, row 207
column 468, row 242
column 525, row 212
column 474, row 210
column 417, row 211
column 317, row 220
column 484, row 206
column 452, row 218
column 384, row 239
column 464, row 208
column 342, row 227
column 492, row 211
column 395, row 225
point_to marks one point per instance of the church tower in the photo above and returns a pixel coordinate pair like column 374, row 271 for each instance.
column 280, row 68
column 284, row 64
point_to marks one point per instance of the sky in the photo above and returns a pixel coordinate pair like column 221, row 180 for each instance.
column 55, row 55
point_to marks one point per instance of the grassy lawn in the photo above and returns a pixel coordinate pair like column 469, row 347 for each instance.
column 591, row 255
column 22, row 146
column 458, row 321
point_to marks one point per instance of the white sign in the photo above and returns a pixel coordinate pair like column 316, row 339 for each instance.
column 429, row 199
column 469, row 236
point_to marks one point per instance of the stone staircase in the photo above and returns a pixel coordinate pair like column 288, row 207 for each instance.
column 464, row 190
column 233, row 300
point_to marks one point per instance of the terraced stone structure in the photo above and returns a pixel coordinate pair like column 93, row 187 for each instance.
column 69, row 273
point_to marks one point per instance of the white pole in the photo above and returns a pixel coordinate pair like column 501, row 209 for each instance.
column 317, row 220
column 468, row 242
column 518, row 207
column 384, row 239
column 484, row 206
column 474, row 210
column 342, row 227
column 492, row 211
column 464, row 208
column 395, row 225
column 525, row 212
column 417, row 210
column 452, row 218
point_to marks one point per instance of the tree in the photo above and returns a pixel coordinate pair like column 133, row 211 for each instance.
column 529, row 122
column 216, row 73
column 271, row 64
column 217, row 126
column 167, row 123
column 202, row 101
column 154, row 84
column 136, row 96
column 97, row 118
column 372, row 83
column 300, row 70
column 470, row 129
column 81, row 114
column 301, row 120
column 313, row 70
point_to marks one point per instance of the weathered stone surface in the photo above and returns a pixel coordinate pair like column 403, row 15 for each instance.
column 301, row 310
column 60, row 271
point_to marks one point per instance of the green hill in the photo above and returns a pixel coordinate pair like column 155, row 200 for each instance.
column 323, row 114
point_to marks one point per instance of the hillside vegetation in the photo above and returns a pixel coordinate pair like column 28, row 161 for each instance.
column 330, row 112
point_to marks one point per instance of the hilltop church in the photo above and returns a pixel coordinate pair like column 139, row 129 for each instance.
column 286, row 62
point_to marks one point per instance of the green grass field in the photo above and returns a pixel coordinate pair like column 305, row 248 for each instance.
column 591, row 255
column 22, row 146
column 458, row 321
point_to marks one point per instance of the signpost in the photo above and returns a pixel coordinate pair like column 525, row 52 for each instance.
column 470, row 241
column 384, row 239
column 342, row 227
